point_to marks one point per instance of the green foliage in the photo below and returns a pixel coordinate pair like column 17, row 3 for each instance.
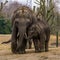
column 5, row 26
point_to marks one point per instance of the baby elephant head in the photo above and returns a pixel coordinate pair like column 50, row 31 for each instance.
column 33, row 31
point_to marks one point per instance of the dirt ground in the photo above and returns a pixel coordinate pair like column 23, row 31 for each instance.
column 52, row 54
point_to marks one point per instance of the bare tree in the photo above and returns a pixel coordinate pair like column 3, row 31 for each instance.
column 9, row 9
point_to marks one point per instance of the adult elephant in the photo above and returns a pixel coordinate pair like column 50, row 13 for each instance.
column 22, row 19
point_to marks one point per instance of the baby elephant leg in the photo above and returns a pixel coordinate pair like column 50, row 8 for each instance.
column 35, row 41
column 42, row 43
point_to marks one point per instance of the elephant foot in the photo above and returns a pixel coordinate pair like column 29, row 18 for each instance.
column 14, row 51
column 46, row 50
column 30, row 47
column 21, row 52
column 37, row 51
column 13, row 48
column 42, row 50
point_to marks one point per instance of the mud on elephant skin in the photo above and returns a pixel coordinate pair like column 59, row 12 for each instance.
column 22, row 19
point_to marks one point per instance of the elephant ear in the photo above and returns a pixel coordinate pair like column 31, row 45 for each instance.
column 13, row 17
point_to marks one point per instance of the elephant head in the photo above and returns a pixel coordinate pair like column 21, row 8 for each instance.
column 34, row 31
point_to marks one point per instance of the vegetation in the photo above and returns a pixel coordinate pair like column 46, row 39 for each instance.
column 48, row 12
column 5, row 26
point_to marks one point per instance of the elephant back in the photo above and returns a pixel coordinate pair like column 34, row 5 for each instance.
column 44, row 23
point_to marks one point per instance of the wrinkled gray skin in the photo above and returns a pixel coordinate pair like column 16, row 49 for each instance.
column 46, row 28
column 40, row 33
column 22, row 19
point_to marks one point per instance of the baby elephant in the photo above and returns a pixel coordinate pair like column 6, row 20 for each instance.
column 37, row 33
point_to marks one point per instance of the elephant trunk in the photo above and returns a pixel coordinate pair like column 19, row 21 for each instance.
column 21, row 37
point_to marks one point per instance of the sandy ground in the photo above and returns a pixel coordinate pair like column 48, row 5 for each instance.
column 6, row 54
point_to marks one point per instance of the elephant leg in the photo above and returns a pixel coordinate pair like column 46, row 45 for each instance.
column 30, row 44
column 38, row 45
column 35, row 41
column 42, row 43
column 46, row 46
column 20, row 46
column 42, row 46
column 47, row 39
column 46, row 43
column 24, row 44
column 14, row 39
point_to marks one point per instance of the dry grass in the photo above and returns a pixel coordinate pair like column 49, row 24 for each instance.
column 2, row 39
column 6, row 54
